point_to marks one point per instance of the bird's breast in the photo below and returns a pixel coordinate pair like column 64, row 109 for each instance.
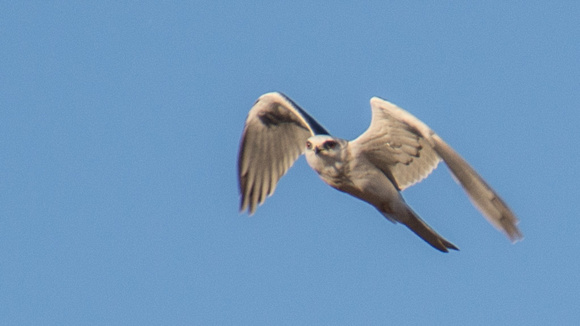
column 331, row 172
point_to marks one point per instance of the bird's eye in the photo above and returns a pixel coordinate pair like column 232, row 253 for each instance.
column 308, row 145
column 330, row 144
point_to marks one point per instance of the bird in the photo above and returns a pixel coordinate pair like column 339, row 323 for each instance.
column 395, row 152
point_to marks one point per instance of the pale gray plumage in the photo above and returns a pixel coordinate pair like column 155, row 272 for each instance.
column 274, row 136
column 395, row 152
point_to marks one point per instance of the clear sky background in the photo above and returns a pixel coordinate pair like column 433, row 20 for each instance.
column 119, row 130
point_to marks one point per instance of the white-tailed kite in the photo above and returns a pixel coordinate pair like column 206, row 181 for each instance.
column 396, row 151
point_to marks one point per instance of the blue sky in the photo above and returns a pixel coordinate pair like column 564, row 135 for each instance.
column 119, row 131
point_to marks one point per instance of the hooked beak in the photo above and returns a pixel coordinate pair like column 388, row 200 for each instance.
column 316, row 150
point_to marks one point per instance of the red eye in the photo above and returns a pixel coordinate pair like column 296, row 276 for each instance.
column 330, row 144
column 308, row 145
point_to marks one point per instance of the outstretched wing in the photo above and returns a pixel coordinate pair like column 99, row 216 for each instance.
column 395, row 147
column 407, row 150
column 274, row 136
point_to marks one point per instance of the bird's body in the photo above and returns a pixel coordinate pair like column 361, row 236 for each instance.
column 336, row 165
column 396, row 151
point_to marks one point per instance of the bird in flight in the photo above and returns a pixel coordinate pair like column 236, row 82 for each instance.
column 395, row 152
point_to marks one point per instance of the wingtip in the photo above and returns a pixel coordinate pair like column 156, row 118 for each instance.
column 245, row 210
column 515, row 235
column 508, row 222
column 244, row 207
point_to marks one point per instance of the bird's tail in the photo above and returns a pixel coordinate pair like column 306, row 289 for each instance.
column 411, row 220
column 481, row 195
column 420, row 228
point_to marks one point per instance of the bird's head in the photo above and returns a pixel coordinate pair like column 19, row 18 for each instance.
column 326, row 155
column 323, row 145
column 324, row 150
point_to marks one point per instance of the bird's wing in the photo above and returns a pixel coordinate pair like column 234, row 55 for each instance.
column 407, row 150
column 395, row 146
column 274, row 136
